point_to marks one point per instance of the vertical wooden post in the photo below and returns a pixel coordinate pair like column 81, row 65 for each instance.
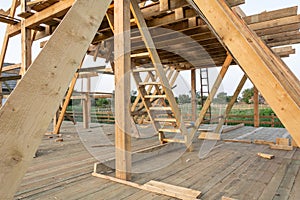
column 88, row 100
column 256, row 107
column 25, row 41
column 193, row 94
column 122, row 90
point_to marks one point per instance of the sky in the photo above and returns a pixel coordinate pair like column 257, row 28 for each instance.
column 230, row 81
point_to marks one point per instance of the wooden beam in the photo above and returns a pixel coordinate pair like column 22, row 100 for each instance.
column 25, row 48
column 211, row 95
column 66, row 102
column 269, row 74
column 122, row 88
column 26, row 115
column 193, row 94
column 56, row 9
column 11, row 67
column 256, row 107
column 231, row 103
column 10, row 78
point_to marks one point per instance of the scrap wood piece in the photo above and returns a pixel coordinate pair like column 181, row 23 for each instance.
column 267, row 156
column 227, row 198
column 281, row 147
column 263, row 142
column 228, row 129
column 157, row 187
column 171, row 190
column 209, row 136
column 282, row 141
column 240, row 141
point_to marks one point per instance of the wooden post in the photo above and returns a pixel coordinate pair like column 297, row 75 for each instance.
column 231, row 103
column 256, row 107
column 122, row 90
column 86, row 105
column 211, row 95
column 193, row 95
column 29, row 109
column 26, row 42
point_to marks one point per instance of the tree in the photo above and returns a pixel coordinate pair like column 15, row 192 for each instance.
column 221, row 98
column 184, row 98
column 247, row 95
column 102, row 102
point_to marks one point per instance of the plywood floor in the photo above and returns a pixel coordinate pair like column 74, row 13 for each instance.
column 62, row 170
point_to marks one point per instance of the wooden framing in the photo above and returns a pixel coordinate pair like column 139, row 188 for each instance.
column 211, row 95
column 267, row 72
column 270, row 75
column 122, row 89
column 256, row 107
column 193, row 94
column 231, row 103
column 21, row 125
column 66, row 102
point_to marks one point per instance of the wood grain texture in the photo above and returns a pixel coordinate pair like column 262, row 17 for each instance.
column 26, row 115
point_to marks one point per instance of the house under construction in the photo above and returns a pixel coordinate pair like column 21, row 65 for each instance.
column 152, row 43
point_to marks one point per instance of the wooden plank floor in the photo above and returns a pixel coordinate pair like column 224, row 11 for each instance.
column 63, row 170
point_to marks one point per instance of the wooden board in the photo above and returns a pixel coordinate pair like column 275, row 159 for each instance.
column 267, row 156
column 281, row 147
column 209, row 136
column 283, row 141
column 228, row 129
column 26, row 115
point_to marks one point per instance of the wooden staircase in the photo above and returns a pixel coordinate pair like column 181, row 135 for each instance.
column 155, row 101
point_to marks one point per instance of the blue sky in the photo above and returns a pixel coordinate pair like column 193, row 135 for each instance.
column 234, row 74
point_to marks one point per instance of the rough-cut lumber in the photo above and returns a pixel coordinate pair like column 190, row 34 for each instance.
column 157, row 187
column 267, row 72
column 209, row 136
column 238, row 141
column 11, row 67
column 227, row 198
column 263, row 142
column 228, row 129
column 281, row 147
column 211, row 95
column 26, row 115
column 44, row 15
column 10, row 78
column 271, row 15
column 267, row 156
column 66, row 102
column 171, row 190
column 283, row 141
column 230, row 104
column 256, row 107
column 122, row 88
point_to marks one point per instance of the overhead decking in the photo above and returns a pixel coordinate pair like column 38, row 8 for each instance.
column 177, row 30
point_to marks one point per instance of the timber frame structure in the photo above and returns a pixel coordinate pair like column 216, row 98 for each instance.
column 157, row 40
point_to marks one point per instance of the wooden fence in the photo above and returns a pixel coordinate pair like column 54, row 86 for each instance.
column 108, row 117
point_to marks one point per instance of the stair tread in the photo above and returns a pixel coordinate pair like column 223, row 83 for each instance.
column 160, row 108
column 150, row 83
column 155, row 96
column 165, row 119
column 143, row 69
column 173, row 130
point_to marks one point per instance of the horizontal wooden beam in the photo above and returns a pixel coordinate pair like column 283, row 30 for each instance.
column 10, row 78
